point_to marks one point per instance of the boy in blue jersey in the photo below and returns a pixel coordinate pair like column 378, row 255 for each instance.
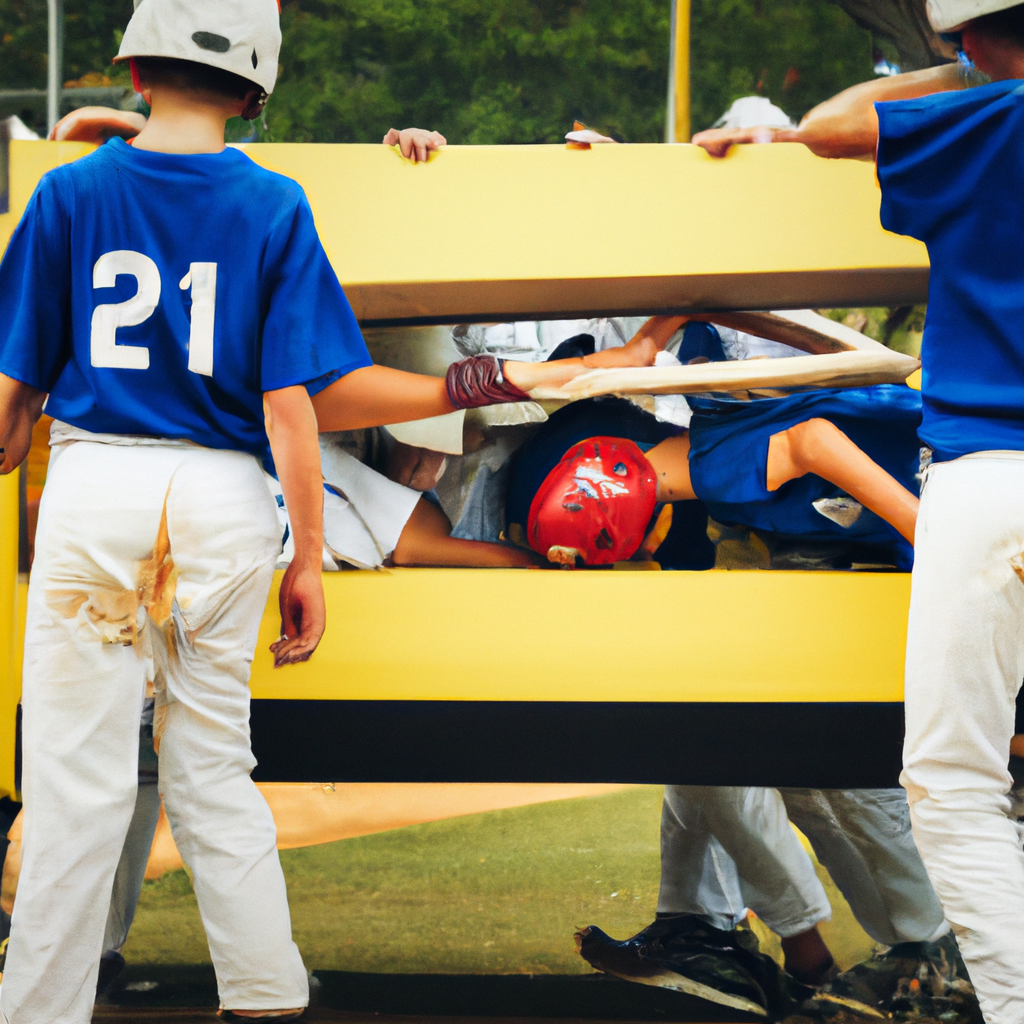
column 174, row 301
column 951, row 169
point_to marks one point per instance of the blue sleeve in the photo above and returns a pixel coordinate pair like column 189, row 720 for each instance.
column 933, row 150
column 310, row 335
column 35, row 279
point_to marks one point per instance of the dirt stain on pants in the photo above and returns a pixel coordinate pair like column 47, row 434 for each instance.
column 112, row 613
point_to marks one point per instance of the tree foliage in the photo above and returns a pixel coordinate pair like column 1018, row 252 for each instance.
column 494, row 71
column 481, row 71
column 795, row 52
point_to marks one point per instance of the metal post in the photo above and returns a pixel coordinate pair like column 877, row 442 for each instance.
column 55, row 61
column 677, row 109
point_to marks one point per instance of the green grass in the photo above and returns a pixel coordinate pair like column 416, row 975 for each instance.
column 499, row 892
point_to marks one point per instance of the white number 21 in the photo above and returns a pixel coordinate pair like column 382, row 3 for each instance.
column 106, row 318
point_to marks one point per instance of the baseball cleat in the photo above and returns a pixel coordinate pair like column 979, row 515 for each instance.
column 269, row 1017
column 111, row 968
column 913, row 981
column 684, row 954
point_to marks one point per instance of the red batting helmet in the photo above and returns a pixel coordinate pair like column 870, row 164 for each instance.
column 596, row 503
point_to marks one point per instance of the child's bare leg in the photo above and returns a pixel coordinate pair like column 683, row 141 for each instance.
column 818, row 446
column 426, row 540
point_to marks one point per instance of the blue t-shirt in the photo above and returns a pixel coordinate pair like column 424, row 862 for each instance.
column 729, row 459
column 162, row 294
column 951, row 167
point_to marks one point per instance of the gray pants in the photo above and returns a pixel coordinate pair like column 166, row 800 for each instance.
column 726, row 848
column 131, row 868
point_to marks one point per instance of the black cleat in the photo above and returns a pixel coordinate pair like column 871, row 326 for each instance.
column 111, row 968
column 684, row 954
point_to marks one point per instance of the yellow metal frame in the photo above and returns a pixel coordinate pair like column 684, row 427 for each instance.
column 11, row 626
column 475, row 634
column 539, row 230
column 543, row 231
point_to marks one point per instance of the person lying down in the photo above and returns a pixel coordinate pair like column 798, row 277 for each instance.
column 371, row 520
column 592, row 486
column 834, row 468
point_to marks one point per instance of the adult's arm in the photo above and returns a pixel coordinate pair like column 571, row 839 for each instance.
column 20, row 408
column 845, row 125
column 376, row 395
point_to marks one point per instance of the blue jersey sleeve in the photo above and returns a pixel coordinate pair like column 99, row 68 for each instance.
column 310, row 335
column 932, row 152
column 35, row 291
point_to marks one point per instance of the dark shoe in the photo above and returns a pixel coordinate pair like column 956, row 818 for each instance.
column 913, row 981
column 685, row 954
column 267, row 1018
column 111, row 968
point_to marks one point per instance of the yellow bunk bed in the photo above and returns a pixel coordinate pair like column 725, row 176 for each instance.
column 779, row 678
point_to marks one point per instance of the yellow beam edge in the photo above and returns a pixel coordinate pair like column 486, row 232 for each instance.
column 475, row 634
column 637, row 228
column 11, row 628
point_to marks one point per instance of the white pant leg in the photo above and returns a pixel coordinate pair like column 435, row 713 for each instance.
column 697, row 875
column 862, row 837
column 131, row 868
column 965, row 659
column 220, row 822
column 776, row 878
column 82, row 699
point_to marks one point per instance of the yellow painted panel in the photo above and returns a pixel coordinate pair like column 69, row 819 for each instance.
column 10, row 626
column 29, row 162
column 474, row 634
column 511, row 230
column 547, row 212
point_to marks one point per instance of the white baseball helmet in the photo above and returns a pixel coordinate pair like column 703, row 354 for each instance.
column 241, row 36
column 952, row 15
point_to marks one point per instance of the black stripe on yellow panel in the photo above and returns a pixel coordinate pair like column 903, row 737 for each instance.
column 766, row 744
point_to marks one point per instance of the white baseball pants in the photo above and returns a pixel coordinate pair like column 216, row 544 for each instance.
column 726, row 848
column 82, row 697
column 965, row 660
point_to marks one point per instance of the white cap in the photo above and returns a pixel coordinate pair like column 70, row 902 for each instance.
column 952, row 15
column 240, row 36
column 753, row 112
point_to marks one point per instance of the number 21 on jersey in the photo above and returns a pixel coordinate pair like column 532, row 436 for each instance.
column 104, row 349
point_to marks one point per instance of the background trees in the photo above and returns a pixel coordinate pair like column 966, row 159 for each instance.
column 499, row 71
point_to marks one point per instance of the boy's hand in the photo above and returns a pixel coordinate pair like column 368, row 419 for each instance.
column 303, row 614
column 416, row 144
column 718, row 141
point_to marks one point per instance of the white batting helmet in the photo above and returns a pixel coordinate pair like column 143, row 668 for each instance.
column 241, row 36
column 952, row 15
